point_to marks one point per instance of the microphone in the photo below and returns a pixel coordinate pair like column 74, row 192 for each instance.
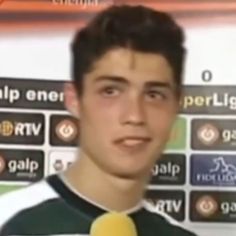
column 113, row 224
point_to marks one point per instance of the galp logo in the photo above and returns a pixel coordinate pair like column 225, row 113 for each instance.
column 166, row 169
column 208, row 134
column 21, row 165
column 66, row 130
column 213, row 206
column 170, row 169
column 229, row 136
column 206, row 206
column 26, row 166
column 213, row 134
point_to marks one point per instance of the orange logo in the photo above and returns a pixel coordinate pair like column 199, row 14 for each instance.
column 6, row 128
column 206, row 206
column 66, row 130
column 208, row 134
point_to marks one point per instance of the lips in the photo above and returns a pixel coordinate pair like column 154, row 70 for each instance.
column 132, row 141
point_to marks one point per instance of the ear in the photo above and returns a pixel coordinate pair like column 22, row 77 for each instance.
column 71, row 99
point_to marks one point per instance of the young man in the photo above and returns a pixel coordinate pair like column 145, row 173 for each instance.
column 127, row 68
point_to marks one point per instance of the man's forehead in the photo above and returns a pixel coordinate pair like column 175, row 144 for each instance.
column 132, row 59
column 130, row 56
column 122, row 59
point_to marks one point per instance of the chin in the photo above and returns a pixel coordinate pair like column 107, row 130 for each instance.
column 130, row 175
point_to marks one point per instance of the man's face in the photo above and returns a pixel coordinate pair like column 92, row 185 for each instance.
column 126, row 111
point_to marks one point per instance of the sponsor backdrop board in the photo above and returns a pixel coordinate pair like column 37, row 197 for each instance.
column 195, row 179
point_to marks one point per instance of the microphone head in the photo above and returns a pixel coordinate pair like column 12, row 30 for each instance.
column 113, row 224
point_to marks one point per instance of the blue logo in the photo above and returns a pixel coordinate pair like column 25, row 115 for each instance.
column 213, row 170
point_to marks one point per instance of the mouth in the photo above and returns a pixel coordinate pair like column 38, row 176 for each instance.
column 132, row 142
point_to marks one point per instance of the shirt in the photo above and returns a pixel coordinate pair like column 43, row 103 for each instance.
column 51, row 207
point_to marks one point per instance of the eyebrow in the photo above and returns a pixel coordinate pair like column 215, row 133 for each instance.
column 158, row 84
column 111, row 78
column 120, row 79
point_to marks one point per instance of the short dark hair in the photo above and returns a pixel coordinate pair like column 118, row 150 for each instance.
column 136, row 27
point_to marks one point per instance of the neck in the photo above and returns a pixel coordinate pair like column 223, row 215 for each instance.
column 108, row 191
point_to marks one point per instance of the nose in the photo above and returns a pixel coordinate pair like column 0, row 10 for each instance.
column 133, row 112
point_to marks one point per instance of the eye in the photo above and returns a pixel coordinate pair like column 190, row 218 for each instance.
column 110, row 91
column 154, row 94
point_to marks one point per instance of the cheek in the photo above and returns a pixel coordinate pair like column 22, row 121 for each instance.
column 101, row 114
column 108, row 109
